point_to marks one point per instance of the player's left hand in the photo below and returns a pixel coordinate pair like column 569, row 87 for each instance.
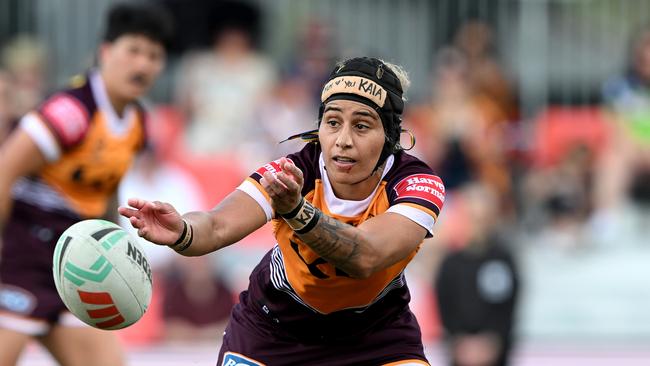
column 284, row 187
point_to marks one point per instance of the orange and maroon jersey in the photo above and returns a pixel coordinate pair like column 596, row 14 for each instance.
column 88, row 149
column 408, row 187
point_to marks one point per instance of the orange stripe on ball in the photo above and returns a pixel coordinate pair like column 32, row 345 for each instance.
column 103, row 312
column 95, row 298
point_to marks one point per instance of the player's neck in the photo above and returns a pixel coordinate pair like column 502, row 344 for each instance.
column 357, row 191
column 119, row 105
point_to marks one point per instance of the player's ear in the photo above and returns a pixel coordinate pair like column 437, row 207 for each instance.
column 103, row 51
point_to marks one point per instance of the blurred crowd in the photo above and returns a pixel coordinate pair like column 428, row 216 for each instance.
column 564, row 180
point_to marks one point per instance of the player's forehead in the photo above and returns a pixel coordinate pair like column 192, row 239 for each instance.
column 140, row 39
column 350, row 107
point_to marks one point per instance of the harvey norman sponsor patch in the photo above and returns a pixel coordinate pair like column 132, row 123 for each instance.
column 426, row 187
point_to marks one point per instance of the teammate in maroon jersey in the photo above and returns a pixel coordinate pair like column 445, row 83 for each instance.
column 63, row 164
column 350, row 211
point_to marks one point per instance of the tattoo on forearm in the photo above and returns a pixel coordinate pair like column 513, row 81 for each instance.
column 336, row 242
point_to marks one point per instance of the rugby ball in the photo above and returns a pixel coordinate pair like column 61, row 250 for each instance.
column 102, row 274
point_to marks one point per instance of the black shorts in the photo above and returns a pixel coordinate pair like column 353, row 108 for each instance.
column 250, row 340
column 27, row 290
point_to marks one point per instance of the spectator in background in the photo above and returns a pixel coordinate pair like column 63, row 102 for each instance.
column 218, row 89
column 477, row 286
column 289, row 109
column 7, row 110
column 462, row 141
column 25, row 60
column 315, row 52
column 488, row 81
column 624, row 170
column 197, row 302
column 558, row 199
column 452, row 121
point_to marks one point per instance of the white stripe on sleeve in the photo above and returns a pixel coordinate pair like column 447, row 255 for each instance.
column 418, row 216
column 42, row 136
column 252, row 190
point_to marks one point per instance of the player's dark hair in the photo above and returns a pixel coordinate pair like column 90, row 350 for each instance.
column 143, row 18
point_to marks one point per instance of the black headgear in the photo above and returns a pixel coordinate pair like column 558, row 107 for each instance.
column 369, row 81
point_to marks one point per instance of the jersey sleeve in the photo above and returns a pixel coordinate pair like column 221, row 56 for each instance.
column 253, row 187
column 419, row 196
column 42, row 136
column 66, row 117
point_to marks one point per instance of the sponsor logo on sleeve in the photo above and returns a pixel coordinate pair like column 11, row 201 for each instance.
column 273, row 167
column 67, row 116
column 426, row 187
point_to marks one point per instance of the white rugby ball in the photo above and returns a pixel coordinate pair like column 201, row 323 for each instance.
column 102, row 274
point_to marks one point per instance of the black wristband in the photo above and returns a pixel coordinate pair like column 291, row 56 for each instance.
column 189, row 242
column 182, row 237
column 294, row 212
column 311, row 224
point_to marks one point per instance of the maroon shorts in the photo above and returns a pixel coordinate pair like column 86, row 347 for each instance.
column 27, row 287
column 250, row 340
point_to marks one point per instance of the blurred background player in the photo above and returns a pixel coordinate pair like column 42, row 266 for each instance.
column 62, row 164
column 350, row 211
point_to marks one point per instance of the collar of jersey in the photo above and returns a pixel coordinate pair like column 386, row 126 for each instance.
column 343, row 207
column 116, row 125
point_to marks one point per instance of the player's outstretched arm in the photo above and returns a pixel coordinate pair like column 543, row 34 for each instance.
column 359, row 251
column 235, row 217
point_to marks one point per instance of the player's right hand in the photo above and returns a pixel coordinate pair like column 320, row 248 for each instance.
column 157, row 222
column 284, row 187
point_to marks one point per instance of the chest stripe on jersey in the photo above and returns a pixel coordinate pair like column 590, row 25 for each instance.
column 279, row 277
